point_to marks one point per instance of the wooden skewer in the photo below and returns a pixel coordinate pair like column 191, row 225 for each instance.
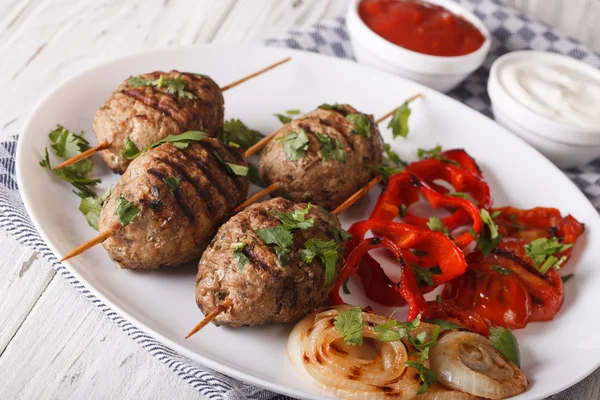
column 90, row 243
column 105, row 145
column 211, row 316
column 360, row 193
column 85, row 154
column 383, row 117
column 269, row 189
column 257, row 73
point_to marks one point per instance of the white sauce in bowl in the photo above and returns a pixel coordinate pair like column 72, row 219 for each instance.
column 555, row 91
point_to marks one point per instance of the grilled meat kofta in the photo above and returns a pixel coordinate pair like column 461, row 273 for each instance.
column 149, row 107
column 266, row 270
column 183, row 194
column 324, row 156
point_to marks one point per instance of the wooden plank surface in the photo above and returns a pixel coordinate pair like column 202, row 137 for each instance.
column 53, row 343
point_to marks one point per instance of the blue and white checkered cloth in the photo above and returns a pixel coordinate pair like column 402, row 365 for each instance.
column 511, row 30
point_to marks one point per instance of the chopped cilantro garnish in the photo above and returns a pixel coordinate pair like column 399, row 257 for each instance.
column 235, row 131
column 172, row 85
column 442, row 323
column 501, row 270
column 181, row 141
column 489, row 237
column 284, row 119
column 505, row 342
column 385, row 171
column 172, row 183
column 436, row 224
column 294, row 144
column 463, row 195
column 296, row 219
column 130, row 150
column 281, row 238
column 327, row 251
column 91, row 207
column 125, row 210
column 332, row 107
column 424, row 276
column 399, row 121
column 238, row 255
column 362, row 124
column 423, row 153
column 542, row 252
column 349, row 324
column 331, row 150
column 392, row 158
column 240, row 170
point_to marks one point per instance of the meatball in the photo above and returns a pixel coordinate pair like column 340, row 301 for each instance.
column 315, row 177
column 147, row 114
column 179, row 216
column 262, row 290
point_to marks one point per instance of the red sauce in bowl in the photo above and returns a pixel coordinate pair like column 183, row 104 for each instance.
column 422, row 27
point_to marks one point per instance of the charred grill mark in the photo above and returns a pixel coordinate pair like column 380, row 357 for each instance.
column 211, row 175
column 306, row 358
column 248, row 251
column 385, row 389
column 200, row 190
column 553, row 230
column 180, row 199
column 375, row 240
column 354, row 373
column 153, row 101
column 522, row 263
column 320, row 359
column 337, row 349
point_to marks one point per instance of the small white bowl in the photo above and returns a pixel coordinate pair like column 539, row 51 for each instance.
column 565, row 145
column 437, row 72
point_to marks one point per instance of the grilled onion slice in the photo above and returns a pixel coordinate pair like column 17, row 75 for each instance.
column 469, row 362
column 374, row 370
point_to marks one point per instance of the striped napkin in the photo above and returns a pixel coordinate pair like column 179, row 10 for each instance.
column 511, row 30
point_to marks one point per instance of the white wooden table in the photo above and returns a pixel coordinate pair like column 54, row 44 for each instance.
column 53, row 342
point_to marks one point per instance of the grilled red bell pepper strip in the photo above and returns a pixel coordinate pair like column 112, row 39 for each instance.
column 463, row 159
column 450, row 311
column 539, row 222
column 407, row 287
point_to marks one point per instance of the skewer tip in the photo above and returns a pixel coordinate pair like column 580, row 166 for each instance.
column 210, row 317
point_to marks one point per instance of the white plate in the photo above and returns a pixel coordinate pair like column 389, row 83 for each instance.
column 555, row 354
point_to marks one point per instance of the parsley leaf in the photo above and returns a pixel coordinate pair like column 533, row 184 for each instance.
column 91, row 207
column 505, row 342
column 67, row 145
column 294, row 144
column 125, row 210
column 173, row 85
column 172, row 183
column 345, row 286
column 341, row 235
column 423, row 153
column 428, row 377
column 331, row 150
column 280, row 237
column 385, row 333
column 489, row 237
column 385, row 171
column 362, row 124
column 296, row 219
column 284, row 119
column 501, row 270
column 333, row 107
column 399, row 121
column 424, row 276
column 327, row 251
column 130, row 150
column 240, row 170
column 567, row 277
column 392, row 158
column 444, row 324
column 238, row 255
column 436, row 224
column 463, row 195
column 349, row 324
column 181, row 141
column 542, row 252
column 235, row 131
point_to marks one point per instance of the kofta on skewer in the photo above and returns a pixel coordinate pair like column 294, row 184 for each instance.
column 149, row 107
column 182, row 196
